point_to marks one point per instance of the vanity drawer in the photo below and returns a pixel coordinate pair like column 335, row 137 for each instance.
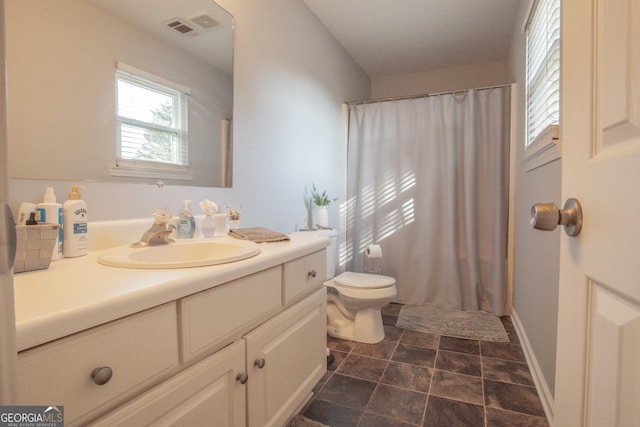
column 303, row 275
column 205, row 394
column 211, row 319
column 139, row 350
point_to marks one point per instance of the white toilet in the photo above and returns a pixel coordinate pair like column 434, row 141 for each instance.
column 355, row 300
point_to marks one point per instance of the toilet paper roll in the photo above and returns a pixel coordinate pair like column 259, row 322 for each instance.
column 374, row 251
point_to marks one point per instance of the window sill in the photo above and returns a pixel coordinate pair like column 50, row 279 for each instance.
column 544, row 149
column 127, row 169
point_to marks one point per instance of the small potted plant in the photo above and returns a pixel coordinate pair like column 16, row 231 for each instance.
column 321, row 200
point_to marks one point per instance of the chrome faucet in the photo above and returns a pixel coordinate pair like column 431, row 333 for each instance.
column 159, row 232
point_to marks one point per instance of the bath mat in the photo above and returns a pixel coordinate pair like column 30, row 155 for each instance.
column 300, row 421
column 474, row 325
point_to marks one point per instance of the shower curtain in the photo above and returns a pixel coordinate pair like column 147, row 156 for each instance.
column 427, row 179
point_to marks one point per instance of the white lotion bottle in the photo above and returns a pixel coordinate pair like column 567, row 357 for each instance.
column 51, row 212
column 75, row 236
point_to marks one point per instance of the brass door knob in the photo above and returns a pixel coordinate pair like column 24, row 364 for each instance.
column 547, row 216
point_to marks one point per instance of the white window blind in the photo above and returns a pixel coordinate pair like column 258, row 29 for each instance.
column 152, row 122
column 543, row 68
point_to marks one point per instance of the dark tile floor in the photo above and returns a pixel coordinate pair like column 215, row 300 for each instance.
column 418, row 379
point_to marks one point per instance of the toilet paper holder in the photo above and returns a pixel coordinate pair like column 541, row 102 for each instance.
column 373, row 255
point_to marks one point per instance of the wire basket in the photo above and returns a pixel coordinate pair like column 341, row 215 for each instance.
column 34, row 246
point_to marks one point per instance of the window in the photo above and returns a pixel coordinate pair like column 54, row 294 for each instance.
column 152, row 125
column 543, row 75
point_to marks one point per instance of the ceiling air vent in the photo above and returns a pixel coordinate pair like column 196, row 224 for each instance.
column 204, row 20
column 180, row 26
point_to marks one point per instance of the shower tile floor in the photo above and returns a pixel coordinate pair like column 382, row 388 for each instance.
column 418, row 379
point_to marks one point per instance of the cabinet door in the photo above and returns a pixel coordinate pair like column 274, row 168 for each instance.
column 286, row 357
column 206, row 394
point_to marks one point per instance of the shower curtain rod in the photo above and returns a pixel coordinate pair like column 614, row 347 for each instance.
column 426, row 95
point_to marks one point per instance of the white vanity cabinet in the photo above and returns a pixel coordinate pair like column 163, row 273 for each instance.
column 247, row 352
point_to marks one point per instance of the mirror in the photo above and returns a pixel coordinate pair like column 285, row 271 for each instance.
column 61, row 63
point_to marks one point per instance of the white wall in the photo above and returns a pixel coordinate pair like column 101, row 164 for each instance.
column 440, row 80
column 535, row 293
column 290, row 79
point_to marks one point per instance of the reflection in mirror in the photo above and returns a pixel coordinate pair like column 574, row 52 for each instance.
column 62, row 59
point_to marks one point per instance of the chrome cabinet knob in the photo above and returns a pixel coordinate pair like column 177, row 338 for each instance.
column 547, row 216
column 242, row 377
column 259, row 363
column 101, row 375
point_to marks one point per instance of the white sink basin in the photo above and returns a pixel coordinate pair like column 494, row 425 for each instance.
column 181, row 254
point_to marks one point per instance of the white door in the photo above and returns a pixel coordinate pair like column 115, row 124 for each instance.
column 8, row 357
column 598, row 360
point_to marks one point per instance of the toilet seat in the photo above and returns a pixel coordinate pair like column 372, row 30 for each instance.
column 363, row 281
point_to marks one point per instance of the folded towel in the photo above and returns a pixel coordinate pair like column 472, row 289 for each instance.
column 258, row 235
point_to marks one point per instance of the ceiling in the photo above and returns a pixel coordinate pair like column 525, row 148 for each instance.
column 213, row 45
column 391, row 37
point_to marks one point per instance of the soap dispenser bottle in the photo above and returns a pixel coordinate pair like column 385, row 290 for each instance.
column 186, row 222
column 51, row 212
column 75, row 237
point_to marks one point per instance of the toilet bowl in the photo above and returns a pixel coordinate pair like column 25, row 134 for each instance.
column 354, row 300
column 354, row 304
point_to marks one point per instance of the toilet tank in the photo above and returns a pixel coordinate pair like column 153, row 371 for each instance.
column 332, row 250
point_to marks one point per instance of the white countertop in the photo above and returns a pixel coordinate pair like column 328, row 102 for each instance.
column 75, row 294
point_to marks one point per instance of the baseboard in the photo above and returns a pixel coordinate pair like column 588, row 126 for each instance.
column 546, row 398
